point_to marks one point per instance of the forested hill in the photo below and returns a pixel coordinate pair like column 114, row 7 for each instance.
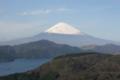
column 86, row 66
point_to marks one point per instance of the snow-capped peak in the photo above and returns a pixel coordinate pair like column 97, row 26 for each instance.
column 63, row 28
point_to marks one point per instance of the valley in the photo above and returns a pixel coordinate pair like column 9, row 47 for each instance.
column 84, row 66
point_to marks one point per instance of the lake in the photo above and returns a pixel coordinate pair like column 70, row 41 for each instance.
column 20, row 65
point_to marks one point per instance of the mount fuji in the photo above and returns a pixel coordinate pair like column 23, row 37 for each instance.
column 63, row 28
column 63, row 33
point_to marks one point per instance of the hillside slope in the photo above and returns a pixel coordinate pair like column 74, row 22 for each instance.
column 7, row 53
column 43, row 49
column 37, row 49
column 109, row 48
column 89, row 66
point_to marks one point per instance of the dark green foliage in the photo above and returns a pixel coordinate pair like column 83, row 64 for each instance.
column 87, row 66
column 50, row 76
column 20, row 77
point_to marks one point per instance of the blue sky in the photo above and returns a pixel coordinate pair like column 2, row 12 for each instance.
column 23, row 18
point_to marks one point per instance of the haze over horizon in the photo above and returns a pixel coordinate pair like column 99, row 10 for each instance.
column 24, row 18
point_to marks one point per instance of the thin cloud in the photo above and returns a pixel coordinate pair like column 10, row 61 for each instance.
column 63, row 9
column 43, row 11
column 35, row 12
column 13, row 30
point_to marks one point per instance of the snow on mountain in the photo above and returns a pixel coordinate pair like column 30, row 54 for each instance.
column 64, row 34
column 63, row 28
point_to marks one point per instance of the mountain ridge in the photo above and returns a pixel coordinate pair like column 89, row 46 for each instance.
column 34, row 50
column 72, row 38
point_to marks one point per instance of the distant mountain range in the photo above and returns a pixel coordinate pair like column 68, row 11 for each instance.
column 108, row 48
column 89, row 64
column 64, row 34
column 86, row 66
column 38, row 49
column 49, row 49
column 43, row 49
